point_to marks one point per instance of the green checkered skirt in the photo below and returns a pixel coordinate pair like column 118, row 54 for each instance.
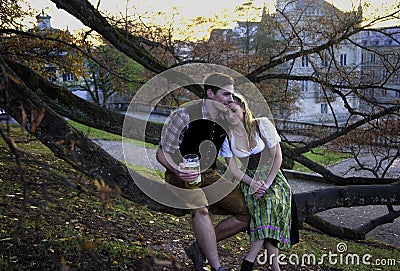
column 271, row 214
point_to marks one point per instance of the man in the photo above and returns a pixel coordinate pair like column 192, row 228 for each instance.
column 198, row 128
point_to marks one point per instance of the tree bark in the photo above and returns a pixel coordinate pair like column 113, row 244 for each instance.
column 310, row 203
column 350, row 233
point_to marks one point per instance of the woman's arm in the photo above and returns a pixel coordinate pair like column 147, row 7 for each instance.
column 236, row 172
column 276, row 164
column 243, row 177
column 276, row 153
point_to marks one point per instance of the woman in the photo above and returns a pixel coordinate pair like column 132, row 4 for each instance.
column 268, row 196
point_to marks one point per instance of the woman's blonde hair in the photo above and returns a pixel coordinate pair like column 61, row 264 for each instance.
column 249, row 121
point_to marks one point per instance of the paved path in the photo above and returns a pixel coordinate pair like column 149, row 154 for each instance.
column 351, row 217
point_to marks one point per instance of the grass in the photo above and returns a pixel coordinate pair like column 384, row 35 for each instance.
column 323, row 157
column 96, row 133
column 93, row 132
column 78, row 228
column 69, row 228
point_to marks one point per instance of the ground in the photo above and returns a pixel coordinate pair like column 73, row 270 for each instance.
column 58, row 219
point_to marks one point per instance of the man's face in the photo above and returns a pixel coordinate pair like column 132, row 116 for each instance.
column 223, row 95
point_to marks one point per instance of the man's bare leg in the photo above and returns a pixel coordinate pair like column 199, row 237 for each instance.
column 229, row 227
column 205, row 235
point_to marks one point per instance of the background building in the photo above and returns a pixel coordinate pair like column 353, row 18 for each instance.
column 374, row 63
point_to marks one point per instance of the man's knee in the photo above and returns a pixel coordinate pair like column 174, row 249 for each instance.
column 200, row 212
column 243, row 219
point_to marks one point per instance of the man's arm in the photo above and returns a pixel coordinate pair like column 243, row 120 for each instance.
column 166, row 160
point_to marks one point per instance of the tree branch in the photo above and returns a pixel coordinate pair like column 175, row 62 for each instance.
column 75, row 108
column 334, row 230
column 310, row 203
column 349, row 233
column 124, row 41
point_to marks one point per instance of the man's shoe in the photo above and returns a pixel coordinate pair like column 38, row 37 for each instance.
column 195, row 253
column 221, row 268
column 247, row 265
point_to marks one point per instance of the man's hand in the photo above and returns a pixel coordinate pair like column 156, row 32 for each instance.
column 221, row 107
column 187, row 175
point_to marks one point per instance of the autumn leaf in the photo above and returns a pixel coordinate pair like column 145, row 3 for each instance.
column 37, row 116
column 104, row 192
column 23, row 118
column 64, row 266
column 89, row 245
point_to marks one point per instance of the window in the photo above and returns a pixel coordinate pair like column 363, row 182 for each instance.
column 68, row 76
column 324, row 59
column 372, row 58
column 304, row 61
column 384, row 74
column 388, row 42
column 343, row 59
column 304, row 86
column 52, row 73
column 324, row 108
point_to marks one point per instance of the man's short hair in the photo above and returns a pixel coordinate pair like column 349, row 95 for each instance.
column 215, row 81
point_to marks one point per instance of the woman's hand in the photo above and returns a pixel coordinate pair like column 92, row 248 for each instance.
column 255, row 186
column 261, row 191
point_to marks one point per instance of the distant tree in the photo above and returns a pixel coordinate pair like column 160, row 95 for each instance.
column 109, row 73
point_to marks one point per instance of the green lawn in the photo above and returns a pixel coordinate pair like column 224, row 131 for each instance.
column 323, row 157
column 96, row 133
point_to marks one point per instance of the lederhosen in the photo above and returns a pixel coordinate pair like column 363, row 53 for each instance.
column 205, row 137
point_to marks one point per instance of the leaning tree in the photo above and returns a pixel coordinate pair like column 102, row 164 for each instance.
column 41, row 106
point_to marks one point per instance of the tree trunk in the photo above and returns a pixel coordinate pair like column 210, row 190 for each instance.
column 73, row 146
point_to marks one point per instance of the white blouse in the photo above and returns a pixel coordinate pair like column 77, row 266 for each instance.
column 269, row 133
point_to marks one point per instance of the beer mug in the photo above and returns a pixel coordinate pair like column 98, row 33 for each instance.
column 192, row 162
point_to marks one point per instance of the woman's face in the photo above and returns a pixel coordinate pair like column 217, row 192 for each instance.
column 235, row 114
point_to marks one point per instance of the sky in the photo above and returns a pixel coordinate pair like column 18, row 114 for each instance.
column 187, row 8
